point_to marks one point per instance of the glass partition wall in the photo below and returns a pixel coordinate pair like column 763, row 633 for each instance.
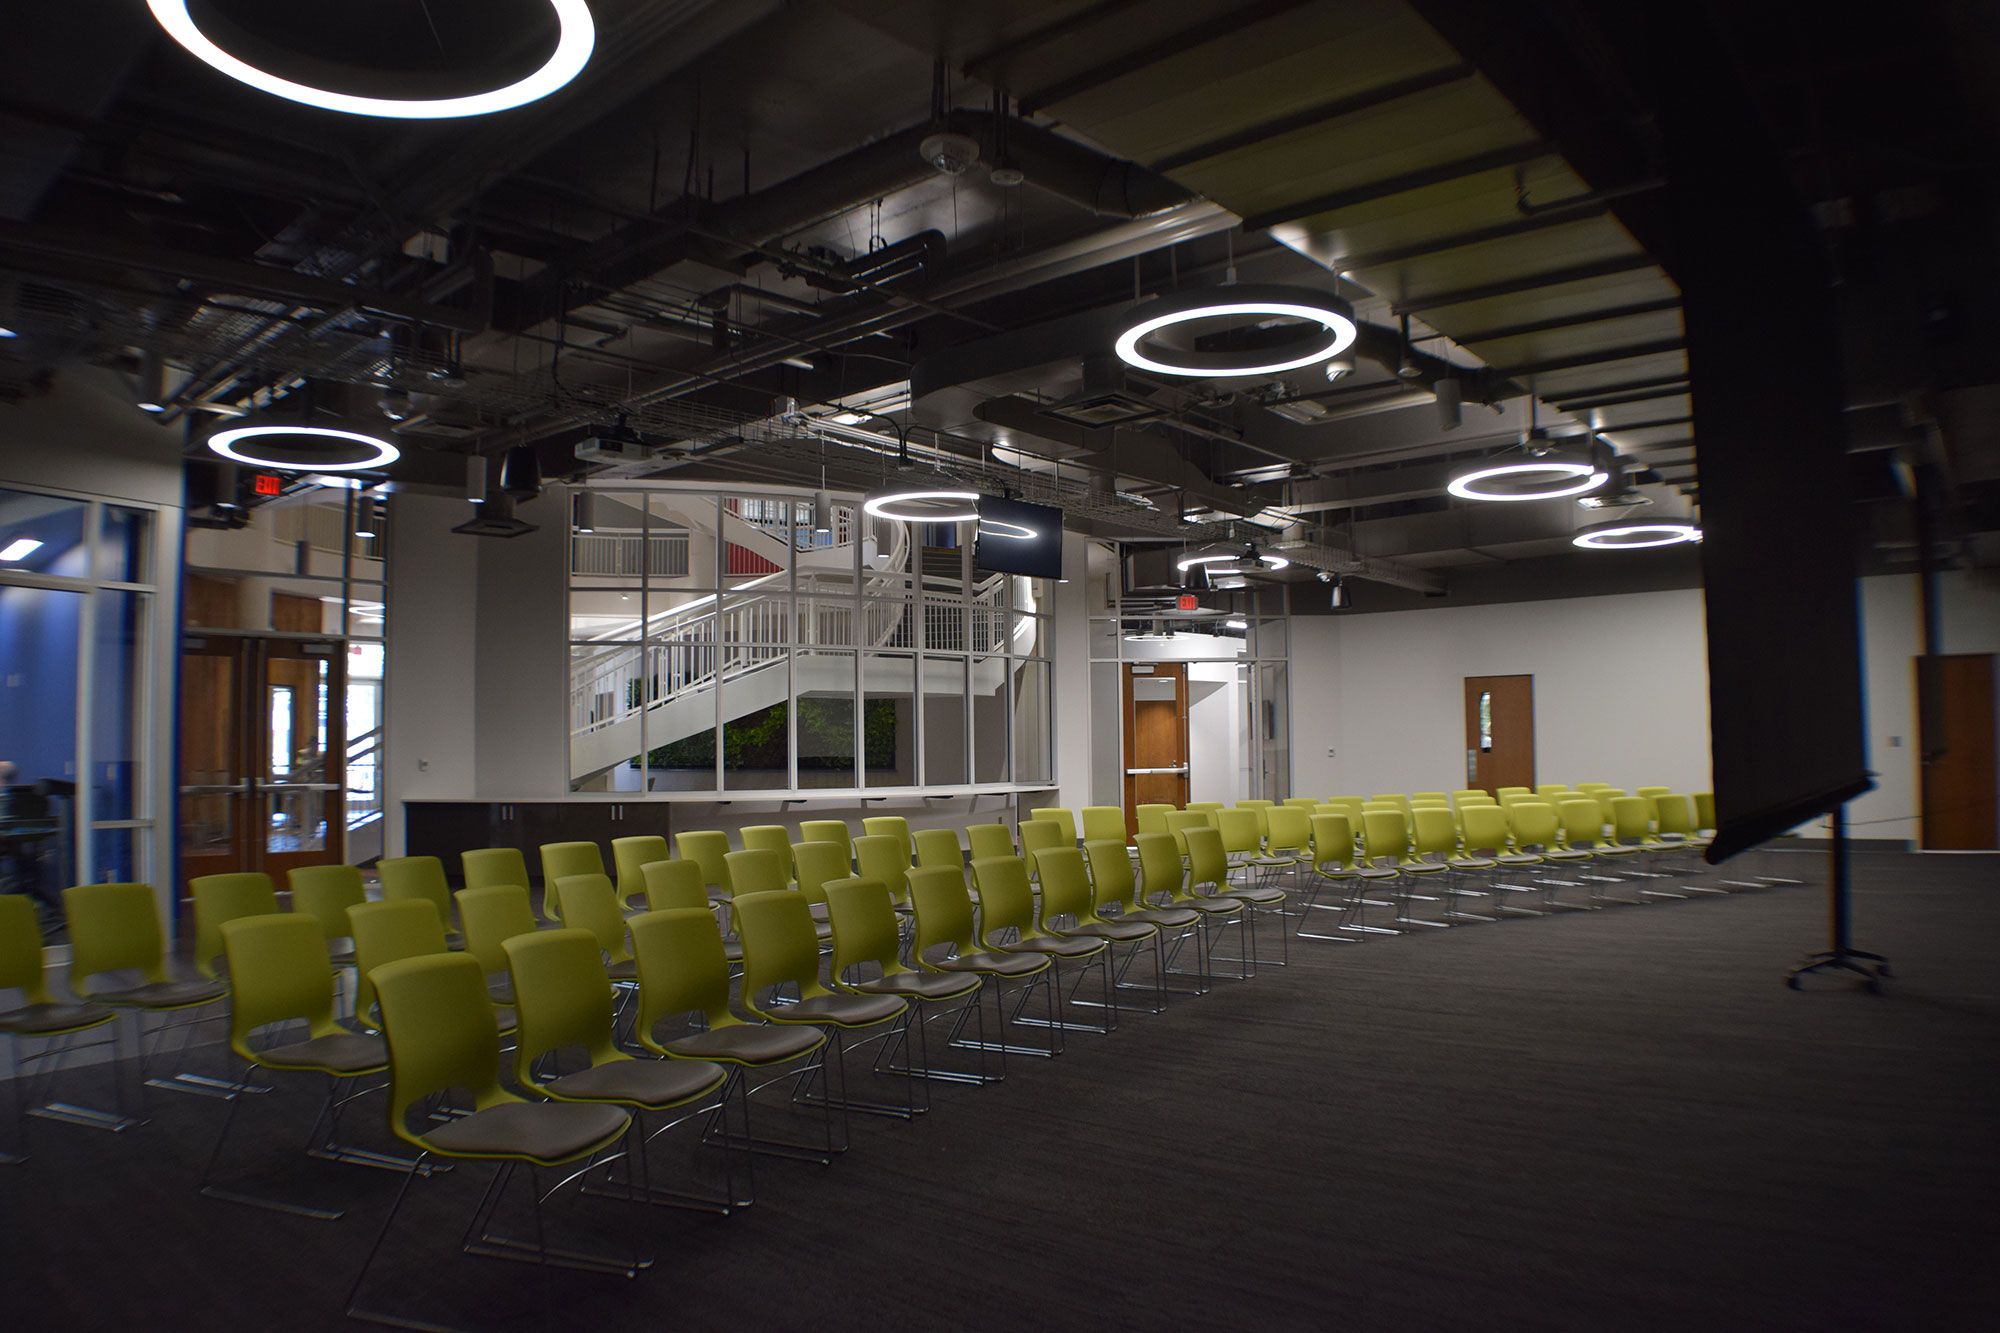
column 739, row 642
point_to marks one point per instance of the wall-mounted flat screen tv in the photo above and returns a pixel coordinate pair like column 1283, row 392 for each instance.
column 1018, row 538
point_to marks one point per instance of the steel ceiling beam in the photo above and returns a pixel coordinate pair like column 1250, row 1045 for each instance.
column 1565, row 321
column 1496, row 160
column 1416, row 84
column 1231, row 21
column 1556, row 216
column 1597, row 358
column 1601, row 268
column 1627, row 391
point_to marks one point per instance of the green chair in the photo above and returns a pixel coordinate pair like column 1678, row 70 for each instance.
column 1536, row 825
column 889, row 826
column 1163, row 883
column 55, row 1024
column 563, row 1005
column 1501, row 794
column 563, row 859
column 1104, row 823
column 1007, row 925
column 1205, row 807
column 1434, row 840
column 884, row 857
column 1151, row 818
column 768, row 838
column 279, row 973
column 868, row 934
column 1650, row 792
column 1593, row 786
column 220, row 898
column 1114, row 890
column 1180, row 821
column 683, row 971
column 1208, row 863
column 1632, row 825
column 116, row 928
column 442, row 1038
column 780, row 954
column 1335, row 861
column 422, row 878
column 630, row 857
column 391, row 930
column 1677, row 824
column 940, row 847
column 1287, row 842
column 1583, row 831
column 1385, row 844
column 1303, row 804
column 1059, row 815
column 944, row 942
column 1069, row 910
column 674, row 884
column 986, row 840
column 818, row 864
column 761, row 870
column 486, row 866
column 1242, row 832
column 326, row 894
column 1262, row 809
column 1704, row 811
column 1487, row 844
column 492, row 916
column 1039, row 835
column 828, row 830
column 707, row 848
column 590, row 903
column 1434, row 797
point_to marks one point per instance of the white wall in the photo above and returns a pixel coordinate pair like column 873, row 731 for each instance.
column 522, row 680
column 432, row 624
column 1070, row 688
column 1621, row 692
column 1218, row 757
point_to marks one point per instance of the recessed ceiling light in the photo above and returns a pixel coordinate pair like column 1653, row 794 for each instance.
column 19, row 549
column 573, row 46
column 918, row 504
column 1334, row 318
column 1631, row 534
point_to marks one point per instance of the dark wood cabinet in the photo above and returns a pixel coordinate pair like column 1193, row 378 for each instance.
column 445, row 828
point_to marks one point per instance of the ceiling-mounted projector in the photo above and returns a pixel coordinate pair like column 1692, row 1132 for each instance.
column 613, row 449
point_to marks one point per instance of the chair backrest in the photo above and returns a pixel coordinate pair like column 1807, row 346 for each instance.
column 1604, row 796
column 561, row 998
column 220, row 898
column 423, row 877
column 943, row 910
column 1704, row 809
column 1159, row 865
column 1582, row 822
column 1485, row 828
column 21, row 949
column 1305, row 803
column 674, row 885
column 1180, row 821
column 1535, row 823
column 1385, row 834
column 1417, row 796
column 590, row 903
column 630, row 856
column 828, row 830
column 1433, row 830
column 1290, row 829
column 113, row 927
column 1240, row 829
column 818, row 864
column 1103, row 821
column 563, row 859
column 1672, row 813
column 1394, row 798
column 278, row 973
column 1502, row 793
column 485, row 866
column 940, row 847
column 1593, row 786
column 889, row 826
column 1111, row 878
column 1332, row 842
column 681, row 968
column 441, row 1032
column 1208, row 862
column 492, row 916
column 1349, row 806
column 325, row 893
column 1040, row 834
column 1472, row 796
column 1550, row 788
column 1507, row 798
column 1631, row 817
column 707, row 848
column 885, row 857
column 1059, row 815
column 388, row 931
column 1206, row 807
column 1065, row 884
column 757, row 870
column 1650, row 792
column 986, row 840
column 1005, row 898
column 768, row 838
column 1152, row 817
column 865, row 928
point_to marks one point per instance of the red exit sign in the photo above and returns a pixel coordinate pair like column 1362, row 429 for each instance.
column 1187, row 601
column 266, row 483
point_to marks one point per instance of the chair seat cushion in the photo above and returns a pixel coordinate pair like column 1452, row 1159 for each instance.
column 538, row 1131
column 1375, row 872
column 1173, row 918
column 1471, row 863
column 1001, row 964
column 48, row 1020
column 1212, row 906
column 1056, row 946
column 628, row 970
column 1565, row 854
column 1258, row 894
column 166, row 994
column 921, row 985
column 640, row 1082
column 1518, row 859
column 842, row 1010
column 747, row 1043
column 1121, row 931
column 1273, row 860
column 1424, row 867
column 336, row 1053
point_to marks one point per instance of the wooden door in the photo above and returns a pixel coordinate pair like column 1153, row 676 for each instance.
column 1156, row 741
column 1499, row 732
column 1958, row 784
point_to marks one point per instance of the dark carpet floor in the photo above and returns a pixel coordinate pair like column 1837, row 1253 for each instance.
column 1608, row 1120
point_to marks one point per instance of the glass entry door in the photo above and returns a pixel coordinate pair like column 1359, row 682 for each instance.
column 262, row 754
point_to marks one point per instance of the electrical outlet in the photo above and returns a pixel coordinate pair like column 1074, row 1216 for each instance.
column 1895, row 742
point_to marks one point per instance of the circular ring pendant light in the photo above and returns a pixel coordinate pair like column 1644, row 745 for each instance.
column 922, row 504
column 1551, row 476
column 573, row 47
column 303, row 448
column 1329, row 331
column 1268, row 561
column 1633, row 534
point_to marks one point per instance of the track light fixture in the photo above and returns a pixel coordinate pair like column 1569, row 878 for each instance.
column 475, row 478
column 1338, row 597
column 521, row 473
column 586, row 511
column 364, row 516
column 152, row 387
